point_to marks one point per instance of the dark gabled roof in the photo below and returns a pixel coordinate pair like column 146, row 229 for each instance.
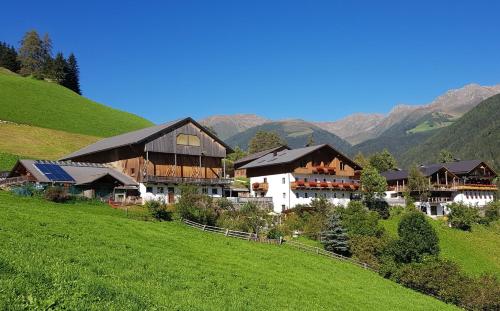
column 249, row 158
column 462, row 167
column 395, row 175
column 290, row 155
column 138, row 136
column 427, row 170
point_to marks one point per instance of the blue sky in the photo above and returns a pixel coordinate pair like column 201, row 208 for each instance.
column 315, row 60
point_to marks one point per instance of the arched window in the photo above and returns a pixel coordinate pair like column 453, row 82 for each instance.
column 188, row 140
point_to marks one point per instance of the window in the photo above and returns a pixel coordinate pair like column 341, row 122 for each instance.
column 265, row 179
column 204, row 190
column 324, row 179
column 283, row 180
column 132, row 171
column 343, row 194
column 215, row 191
column 306, row 195
column 305, row 179
column 284, row 195
column 188, row 140
column 297, row 195
column 342, row 166
column 316, row 195
column 159, row 190
column 149, row 189
column 335, row 195
column 283, row 207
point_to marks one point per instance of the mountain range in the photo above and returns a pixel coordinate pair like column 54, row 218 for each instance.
column 402, row 128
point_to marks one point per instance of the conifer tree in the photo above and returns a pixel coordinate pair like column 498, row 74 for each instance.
column 8, row 57
column 335, row 238
column 59, row 68
column 46, row 55
column 72, row 79
column 31, row 55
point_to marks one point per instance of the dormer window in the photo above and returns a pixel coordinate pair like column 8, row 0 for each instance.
column 188, row 140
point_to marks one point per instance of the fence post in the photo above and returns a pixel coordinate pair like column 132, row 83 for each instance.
column 317, row 250
column 249, row 236
column 227, row 232
column 281, row 240
column 204, row 226
column 364, row 265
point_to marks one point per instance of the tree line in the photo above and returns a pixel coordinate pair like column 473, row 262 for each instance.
column 35, row 58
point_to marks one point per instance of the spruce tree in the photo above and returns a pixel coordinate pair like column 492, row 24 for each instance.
column 72, row 79
column 46, row 56
column 8, row 57
column 59, row 68
column 31, row 55
column 335, row 238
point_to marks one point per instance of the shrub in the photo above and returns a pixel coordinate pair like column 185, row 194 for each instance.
column 396, row 210
column 491, row 213
column 379, row 206
column 195, row 206
column 358, row 220
column 482, row 293
column 441, row 278
column 274, row 233
column 367, row 249
column 417, row 238
column 158, row 210
column 462, row 216
column 57, row 194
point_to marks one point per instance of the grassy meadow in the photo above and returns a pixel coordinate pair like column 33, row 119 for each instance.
column 24, row 141
column 90, row 256
column 477, row 252
column 49, row 105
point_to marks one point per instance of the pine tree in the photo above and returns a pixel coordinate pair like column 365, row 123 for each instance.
column 59, row 68
column 31, row 55
column 8, row 57
column 264, row 140
column 335, row 238
column 72, row 79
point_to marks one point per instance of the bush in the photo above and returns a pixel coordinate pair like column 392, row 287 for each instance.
column 482, row 293
column 57, row 194
column 491, row 213
column 367, row 249
column 358, row 220
column 417, row 238
column 441, row 278
column 195, row 206
column 274, row 233
column 158, row 210
column 379, row 206
column 463, row 216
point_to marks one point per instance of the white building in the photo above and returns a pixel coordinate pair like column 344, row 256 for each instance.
column 298, row 176
column 469, row 182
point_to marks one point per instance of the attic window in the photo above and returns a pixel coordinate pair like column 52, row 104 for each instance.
column 188, row 140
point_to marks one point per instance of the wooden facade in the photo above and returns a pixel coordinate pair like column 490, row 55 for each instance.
column 185, row 151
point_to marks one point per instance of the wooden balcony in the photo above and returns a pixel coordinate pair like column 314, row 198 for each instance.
column 260, row 186
column 481, row 187
column 187, row 180
column 312, row 185
column 451, row 187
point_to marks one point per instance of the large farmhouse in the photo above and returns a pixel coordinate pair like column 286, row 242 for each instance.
column 296, row 176
column 162, row 157
column 470, row 182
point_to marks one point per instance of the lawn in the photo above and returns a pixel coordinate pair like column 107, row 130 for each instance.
column 90, row 256
column 39, row 143
column 49, row 105
column 477, row 252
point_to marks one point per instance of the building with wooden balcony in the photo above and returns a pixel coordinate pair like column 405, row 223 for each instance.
column 470, row 182
column 297, row 176
column 163, row 157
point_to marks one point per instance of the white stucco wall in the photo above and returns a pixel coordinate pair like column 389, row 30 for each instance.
column 479, row 198
column 284, row 197
column 156, row 195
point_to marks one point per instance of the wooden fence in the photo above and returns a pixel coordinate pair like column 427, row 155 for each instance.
column 232, row 233
column 254, row 237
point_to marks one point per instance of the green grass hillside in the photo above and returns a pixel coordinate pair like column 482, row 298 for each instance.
column 477, row 252
column 24, row 141
column 82, row 256
column 49, row 105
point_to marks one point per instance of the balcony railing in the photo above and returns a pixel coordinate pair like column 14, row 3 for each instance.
column 313, row 185
column 188, row 180
column 451, row 187
column 324, row 170
column 260, row 186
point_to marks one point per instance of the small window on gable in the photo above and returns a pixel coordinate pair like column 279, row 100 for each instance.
column 188, row 140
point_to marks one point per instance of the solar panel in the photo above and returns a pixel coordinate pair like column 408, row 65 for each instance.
column 54, row 172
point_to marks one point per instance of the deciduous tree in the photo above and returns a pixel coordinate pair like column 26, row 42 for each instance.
column 264, row 140
column 383, row 161
column 417, row 238
column 418, row 183
column 373, row 184
column 445, row 156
